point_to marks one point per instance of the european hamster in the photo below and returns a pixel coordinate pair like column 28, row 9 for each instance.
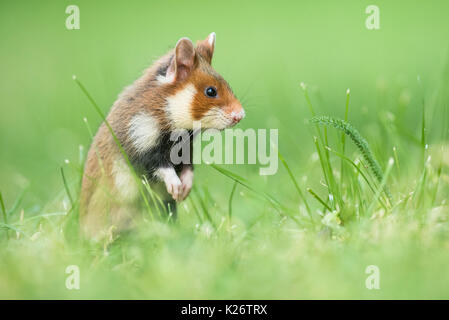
column 178, row 89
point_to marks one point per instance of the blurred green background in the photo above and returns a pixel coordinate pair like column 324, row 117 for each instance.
column 265, row 49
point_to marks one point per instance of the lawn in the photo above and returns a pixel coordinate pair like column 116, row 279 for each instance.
column 363, row 175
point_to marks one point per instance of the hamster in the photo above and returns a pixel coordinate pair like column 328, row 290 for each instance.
column 177, row 90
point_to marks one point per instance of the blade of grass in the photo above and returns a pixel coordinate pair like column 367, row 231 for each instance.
column 17, row 203
column 423, row 134
column 5, row 217
column 2, row 204
column 319, row 199
column 81, row 161
column 335, row 191
column 323, row 161
column 418, row 195
column 66, row 187
column 396, row 159
column 381, row 187
column 240, row 180
column 274, row 203
column 343, row 137
column 195, row 209
column 204, row 208
column 234, row 187
column 154, row 196
column 97, row 153
column 440, row 168
column 295, row 183
column 11, row 227
column 435, row 192
column 46, row 216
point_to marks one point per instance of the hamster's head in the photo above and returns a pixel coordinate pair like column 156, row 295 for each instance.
column 198, row 92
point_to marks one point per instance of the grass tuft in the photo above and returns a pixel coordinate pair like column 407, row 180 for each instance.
column 359, row 141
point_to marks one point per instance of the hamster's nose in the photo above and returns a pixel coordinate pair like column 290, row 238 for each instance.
column 237, row 116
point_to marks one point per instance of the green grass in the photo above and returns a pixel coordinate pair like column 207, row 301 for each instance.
column 369, row 189
column 280, row 254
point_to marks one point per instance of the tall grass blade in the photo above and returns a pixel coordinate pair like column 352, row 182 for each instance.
column 334, row 189
column 195, row 209
column 295, row 183
column 234, row 187
column 2, row 204
column 17, row 203
column 419, row 193
column 435, row 192
column 396, row 159
column 204, row 208
column 158, row 203
column 11, row 227
column 343, row 138
column 5, row 217
column 97, row 153
column 66, row 187
column 382, row 185
column 322, row 159
column 319, row 199
column 242, row 181
column 423, row 134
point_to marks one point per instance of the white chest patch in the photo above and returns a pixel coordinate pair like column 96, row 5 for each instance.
column 143, row 132
column 179, row 107
column 124, row 181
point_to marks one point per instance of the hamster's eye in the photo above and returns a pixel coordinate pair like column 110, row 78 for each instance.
column 211, row 92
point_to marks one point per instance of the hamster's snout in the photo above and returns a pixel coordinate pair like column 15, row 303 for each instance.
column 237, row 113
column 237, row 116
column 225, row 117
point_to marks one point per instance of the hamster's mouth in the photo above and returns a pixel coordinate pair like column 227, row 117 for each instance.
column 233, row 124
column 218, row 119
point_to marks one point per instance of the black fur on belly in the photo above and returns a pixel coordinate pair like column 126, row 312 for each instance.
column 159, row 156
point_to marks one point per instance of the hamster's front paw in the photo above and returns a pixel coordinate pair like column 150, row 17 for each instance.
column 174, row 187
column 186, row 177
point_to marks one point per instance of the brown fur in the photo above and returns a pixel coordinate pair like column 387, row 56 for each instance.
column 102, row 207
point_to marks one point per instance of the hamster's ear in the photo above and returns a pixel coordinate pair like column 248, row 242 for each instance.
column 206, row 47
column 183, row 62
